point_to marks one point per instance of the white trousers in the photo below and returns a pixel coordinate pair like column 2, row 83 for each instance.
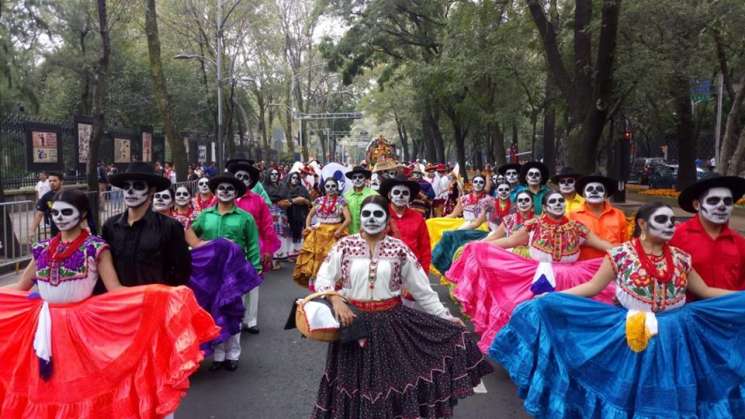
column 251, row 301
column 230, row 349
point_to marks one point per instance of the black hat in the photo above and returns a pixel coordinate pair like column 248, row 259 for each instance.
column 505, row 167
column 388, row 184
column 236, row 165
column 239, row 160
column 564, row 173
column 141, row 171
column 534, row 165
column 240, row 188
column 611, row 185
column 359, row 169
column 735, row 184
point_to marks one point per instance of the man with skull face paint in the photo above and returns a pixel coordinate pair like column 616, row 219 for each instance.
column 333, row 217
column 418, row 361
column 511, row 173
column 163, row 202
column 554, row 245
column 597, row 214
column 354, row 197
column 405, row 223
column 566, row 181
column 204, row 199
column 534, row 176
column 718, row 251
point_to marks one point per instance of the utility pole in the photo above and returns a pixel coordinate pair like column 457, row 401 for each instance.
column 218, row 72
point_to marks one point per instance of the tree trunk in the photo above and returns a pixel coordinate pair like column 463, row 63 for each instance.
column 402, row 136
column 736, row 165
column 549, row 134
column 288, row 123
column 427, row 142
column 432, row 121
column 500, row 153
column 684, row 133
column 178, row 150
column 729, row 140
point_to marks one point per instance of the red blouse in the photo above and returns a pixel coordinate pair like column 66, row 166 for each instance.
column 412, row 230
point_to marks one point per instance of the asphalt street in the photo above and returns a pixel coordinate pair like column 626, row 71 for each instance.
column 279, row 371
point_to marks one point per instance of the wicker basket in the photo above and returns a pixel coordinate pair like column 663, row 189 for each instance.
column 321, row 335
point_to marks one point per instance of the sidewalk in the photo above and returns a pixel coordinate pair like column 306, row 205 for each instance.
column 9, row 278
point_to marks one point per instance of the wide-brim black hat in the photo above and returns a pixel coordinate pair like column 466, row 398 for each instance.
column 611, row 185
column 388, row 184
column 140, row 171
column 505, row 167
column 240, row 188
column 534, row 165
column 358, row 169
column 564, row 173
column 237, row 165
column 735, row 184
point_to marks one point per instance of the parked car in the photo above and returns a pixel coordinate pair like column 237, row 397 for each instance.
column 666, row 176
column 643, row 167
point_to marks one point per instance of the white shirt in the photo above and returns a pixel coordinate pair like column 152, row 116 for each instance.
column 349, row 264
column 41, row 188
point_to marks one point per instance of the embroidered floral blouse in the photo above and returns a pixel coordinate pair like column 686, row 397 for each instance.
column 471, row 205
column 639, row 291
column 184, row 219
column 70, row 280
column 555, row 241
column 326, row 213
column 358, row 275
column 489, row 206
column 200, row 204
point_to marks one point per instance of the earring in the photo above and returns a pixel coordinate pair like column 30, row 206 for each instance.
column 643, row 236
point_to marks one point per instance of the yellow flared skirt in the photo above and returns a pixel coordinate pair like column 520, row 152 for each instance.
column 316, row 245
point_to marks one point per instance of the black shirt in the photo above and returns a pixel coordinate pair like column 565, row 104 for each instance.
column 150, row 251
column 44, row 204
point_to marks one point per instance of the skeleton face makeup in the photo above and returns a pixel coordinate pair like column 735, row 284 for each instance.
column 716, row 205
column 135, row 193
column 203, row 185
column 400, row 195
column 358, row 180
column 294, row 179
column 533, row 177
column 244, row 177
column 524, row 202
column 225, row 192
column 661, row 224
column 162, row 200
column 594, row 192
column 555, row 204
column 566, row 185
column 375, row 182
column 503, row 191
column 373, row 218
column 511, row 175
column 274, row 176
column 331, row 186
column 478, row 183
column 183, row 196
column 494, row 179
column 65, row 216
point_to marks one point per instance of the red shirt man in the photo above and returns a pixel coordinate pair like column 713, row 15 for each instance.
column 405, row 223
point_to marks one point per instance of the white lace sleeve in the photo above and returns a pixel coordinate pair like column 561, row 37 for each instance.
column 330, row 269
column 416, row 281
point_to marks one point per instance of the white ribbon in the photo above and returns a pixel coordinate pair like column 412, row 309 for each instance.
column 43, row 334
column 544, row 268
column 650, row 321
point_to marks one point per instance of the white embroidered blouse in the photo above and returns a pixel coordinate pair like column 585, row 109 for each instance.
column 358, row 275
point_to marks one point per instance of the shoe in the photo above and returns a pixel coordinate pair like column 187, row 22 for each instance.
column 254, row 330
column 231, row 365
column 217, row 365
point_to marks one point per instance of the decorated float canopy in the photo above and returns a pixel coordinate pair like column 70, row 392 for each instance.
column 379, row 148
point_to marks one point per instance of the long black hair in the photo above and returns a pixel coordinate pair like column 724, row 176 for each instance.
column 644, row 213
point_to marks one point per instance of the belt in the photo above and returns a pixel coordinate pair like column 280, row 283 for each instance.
column 380, row 305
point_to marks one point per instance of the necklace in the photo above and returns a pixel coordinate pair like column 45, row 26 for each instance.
column 71, row 247
column 663, row 275
column 326, row 208
column 502, row 208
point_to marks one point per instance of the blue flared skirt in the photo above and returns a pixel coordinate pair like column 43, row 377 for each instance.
column 569, row 358
column 442, row 254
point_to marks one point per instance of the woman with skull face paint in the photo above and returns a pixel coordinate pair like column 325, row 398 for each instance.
column 278, row 195
column 511, row 174
column 333, row 218
column 297, row 212
column 652, row 356
column 183, row 212
column 163, row 202
column 553, row 243
column 74, row 355
column 408, row 363
column 534, row 176
column 566, row 181
column 204, row 199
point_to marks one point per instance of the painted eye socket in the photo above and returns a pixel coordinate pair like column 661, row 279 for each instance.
column 203, row 183
column 137, row 185
column 182, row 194
column 664, row 219
column 228, row 188
column 66, row 212
column 566, row 182
column 715, row 200
column 162, row 196
column 376, row 213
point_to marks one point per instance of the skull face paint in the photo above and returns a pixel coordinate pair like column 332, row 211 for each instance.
column 555, row 204
column 274, row 176
column 135, row 193
column 373, row 218
column 358, row 180
column 478, row 183
column 183, row 196
column 524, row 202
column 503, row 191
column 331, row 186
column 244, row 177
column 162, row 200
column 294, row 179
column 533, row 177
column 661, row 223
column 65, row 216
column 511, row 176
column 566, row 185
column 400, row 195
column 594, row 192
column 225, row 192
column 716, row 205
column 203, row 186
column 375, row 182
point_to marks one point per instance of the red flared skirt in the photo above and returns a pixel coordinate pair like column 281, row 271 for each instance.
column 125, row 354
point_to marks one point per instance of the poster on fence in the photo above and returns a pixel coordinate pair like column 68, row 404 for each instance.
column 147, row 146
column 85, row 131
column 122, row 150
column 202, row 153
column 43, row 147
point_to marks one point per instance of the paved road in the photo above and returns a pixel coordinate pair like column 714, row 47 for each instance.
column 279, row 371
